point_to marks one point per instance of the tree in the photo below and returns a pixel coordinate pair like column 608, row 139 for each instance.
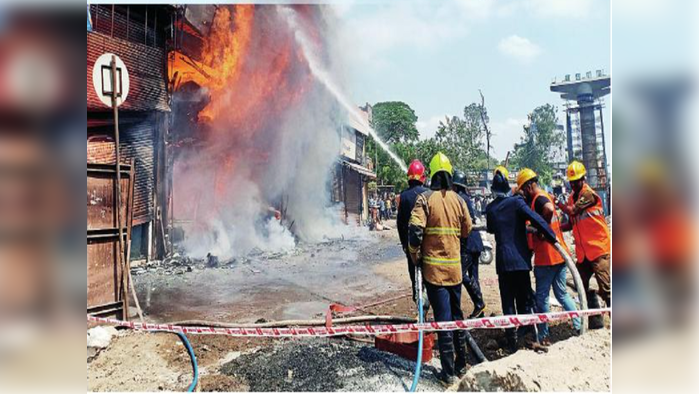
column 462, row 139
column 395, row 122
column 540, row 142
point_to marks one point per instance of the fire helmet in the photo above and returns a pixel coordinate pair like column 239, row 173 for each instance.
column 459, row 178
column 524, row 176
column 440, row 162
column 416, row 171
column 576, row 171
column 503, row 171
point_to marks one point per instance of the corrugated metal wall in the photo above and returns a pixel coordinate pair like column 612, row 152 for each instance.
column 129, row 23
column 137, row 141
column 146, row 66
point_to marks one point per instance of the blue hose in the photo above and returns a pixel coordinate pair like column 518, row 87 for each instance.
column 193, row 358
column 418, row 367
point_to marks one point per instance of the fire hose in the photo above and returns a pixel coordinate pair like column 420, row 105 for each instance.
column 418, row 366
column 297, row 323
column 193, row 359
column 570, row 264
column 578, row 283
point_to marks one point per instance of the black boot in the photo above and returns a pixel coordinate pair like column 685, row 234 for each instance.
column 447, row 376
column 461, row 352
column 595, row 322
column 511, row 335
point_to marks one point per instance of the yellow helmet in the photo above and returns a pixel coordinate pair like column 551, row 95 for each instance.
column 503, row 171
column 524, row 176
column 576, row 170
column 440, row 162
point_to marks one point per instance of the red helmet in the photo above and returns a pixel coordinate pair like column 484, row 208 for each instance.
column 416, row 171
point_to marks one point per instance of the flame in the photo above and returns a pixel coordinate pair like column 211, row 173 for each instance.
column 224, row 53
column 253, row 73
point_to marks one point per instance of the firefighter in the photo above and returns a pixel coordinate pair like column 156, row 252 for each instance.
column 406, row 202
column 471, row 249
column 438, row 221
column 507, row 216
column 589, row 226
column 549, row 265
column 506, row 174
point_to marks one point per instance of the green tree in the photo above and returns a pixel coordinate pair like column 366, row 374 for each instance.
column 540, row 142
column 461, row 139
column 395, row 122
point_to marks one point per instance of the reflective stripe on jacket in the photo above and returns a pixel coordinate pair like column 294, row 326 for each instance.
column 544, row 253
column 444, row 218
column 590, row 229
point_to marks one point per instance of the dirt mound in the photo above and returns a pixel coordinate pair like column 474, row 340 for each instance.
column 139, row 362
column 578, row 364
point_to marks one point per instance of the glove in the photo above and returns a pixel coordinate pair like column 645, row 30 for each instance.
column 416, row 259
column 561, row 202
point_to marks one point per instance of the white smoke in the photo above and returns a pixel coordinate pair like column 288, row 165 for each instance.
column 324, row 76
column 301, row 145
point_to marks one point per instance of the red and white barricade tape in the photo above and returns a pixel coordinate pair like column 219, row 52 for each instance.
column 483, row 323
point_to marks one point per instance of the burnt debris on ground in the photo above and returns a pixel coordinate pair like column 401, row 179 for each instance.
column 313, row 365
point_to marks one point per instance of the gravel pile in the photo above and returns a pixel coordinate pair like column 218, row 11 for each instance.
column 328, row 365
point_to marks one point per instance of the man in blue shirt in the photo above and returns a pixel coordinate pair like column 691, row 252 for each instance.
column 507, row 218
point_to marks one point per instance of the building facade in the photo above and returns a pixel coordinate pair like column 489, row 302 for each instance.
column 352, row 173
column 139, row 36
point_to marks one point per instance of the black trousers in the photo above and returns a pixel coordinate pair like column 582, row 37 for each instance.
column 411, row 271
column 446, row 303
column 469, row 270
column 517, row 297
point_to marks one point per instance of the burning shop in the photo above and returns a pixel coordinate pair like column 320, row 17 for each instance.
column 255, row 142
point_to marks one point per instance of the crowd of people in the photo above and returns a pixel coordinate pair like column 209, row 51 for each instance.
column 383, row 207
column 435, row 228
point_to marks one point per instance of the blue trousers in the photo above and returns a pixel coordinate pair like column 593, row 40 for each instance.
column 546, row 278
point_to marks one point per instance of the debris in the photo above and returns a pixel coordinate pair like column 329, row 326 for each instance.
column 211, row 261
column 326, row 366
column 100, row 337
column 492, row 344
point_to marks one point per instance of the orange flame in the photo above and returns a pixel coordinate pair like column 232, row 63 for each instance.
column 253, row 73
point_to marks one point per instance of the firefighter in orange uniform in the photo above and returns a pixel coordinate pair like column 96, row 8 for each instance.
column 549, row 265
column 592, row 239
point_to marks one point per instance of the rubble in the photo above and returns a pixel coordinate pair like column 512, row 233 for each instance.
column 100, row 337
column 313, row 365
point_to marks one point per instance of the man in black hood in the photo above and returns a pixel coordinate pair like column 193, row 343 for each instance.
column 471, row 249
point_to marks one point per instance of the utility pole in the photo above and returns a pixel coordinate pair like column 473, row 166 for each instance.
column 120, row 228
column 488, row 134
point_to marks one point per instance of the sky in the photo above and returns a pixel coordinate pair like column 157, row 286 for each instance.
column 436, row 55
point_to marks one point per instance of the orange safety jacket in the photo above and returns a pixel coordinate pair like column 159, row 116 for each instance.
column 590, row 229
column 544, row 252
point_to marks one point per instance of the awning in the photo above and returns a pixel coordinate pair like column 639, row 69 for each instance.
column 358, row 168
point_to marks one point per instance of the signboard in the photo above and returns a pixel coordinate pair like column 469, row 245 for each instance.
column 349, row 143
column 102, row 79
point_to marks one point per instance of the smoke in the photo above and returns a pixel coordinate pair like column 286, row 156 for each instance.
column 270, row 140
column 330, row 83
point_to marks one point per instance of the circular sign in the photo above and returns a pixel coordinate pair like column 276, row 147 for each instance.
column 102, row 79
